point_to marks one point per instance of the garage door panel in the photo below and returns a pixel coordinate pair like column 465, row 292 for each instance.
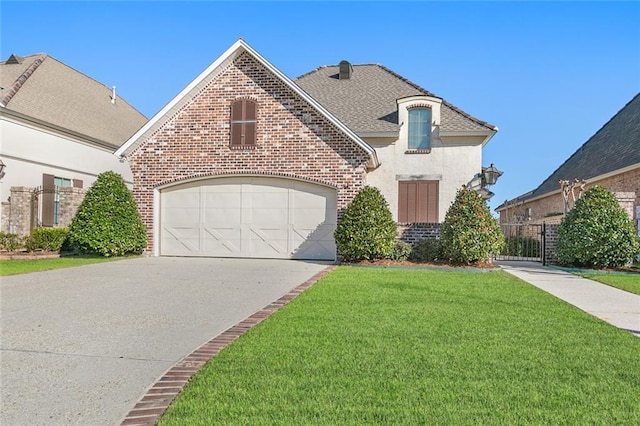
column 221, row 241
column 230, row 217
column 249, row 217
column 221, row 200
column 179, row 240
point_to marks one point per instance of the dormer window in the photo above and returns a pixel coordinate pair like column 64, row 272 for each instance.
column 243, row 123
column 420, row 128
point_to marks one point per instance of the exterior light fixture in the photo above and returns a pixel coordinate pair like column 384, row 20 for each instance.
column 490, row 175
column 2, row 167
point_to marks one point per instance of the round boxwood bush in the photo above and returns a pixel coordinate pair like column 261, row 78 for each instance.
column 107, row 222
column 469, row 233
column 428, row 250
column 366, row 230
column 596, row 233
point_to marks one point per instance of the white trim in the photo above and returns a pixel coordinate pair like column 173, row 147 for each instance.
column 226, row 57
column 156, row 222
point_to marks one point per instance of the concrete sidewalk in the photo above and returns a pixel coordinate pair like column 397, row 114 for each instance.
column 617, row 307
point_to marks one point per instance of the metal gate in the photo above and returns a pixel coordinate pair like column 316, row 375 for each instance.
column 523, row 241
column 44, row 207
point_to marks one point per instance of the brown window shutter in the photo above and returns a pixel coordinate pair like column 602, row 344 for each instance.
column 236, row 111
column 236, row 134
column 48, row 197
column 402, row 202
column 243, row 122
column 418, row 201
column 249, row 110
column 77, row 183
column 249, row 134
column 427, row 206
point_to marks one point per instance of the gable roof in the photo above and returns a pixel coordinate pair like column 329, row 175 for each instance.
column 41, row 88
column 209, row 74
column 366, row 102
column 616, row 146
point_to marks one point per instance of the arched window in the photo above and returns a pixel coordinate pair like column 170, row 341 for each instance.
column 420, row 128
column 243, row 123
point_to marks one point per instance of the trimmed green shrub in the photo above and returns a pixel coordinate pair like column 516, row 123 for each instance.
column 469, row 233
column 521, row 246
column 366, row 230
column 596, row 233
column 401, row 251
column 48, row 239
column 11, row 242
column 107, row 222
column 429, row 250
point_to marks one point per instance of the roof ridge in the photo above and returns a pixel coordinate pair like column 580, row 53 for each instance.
column 6, row 98
column 527, row 195
column 330, row 66
column 415, row 86
column 426, row 92
column 581, row 147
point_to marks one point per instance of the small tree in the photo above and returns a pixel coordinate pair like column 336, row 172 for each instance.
column 596, row 232
column 367, row 230
column 469, row 233
column 107, row 221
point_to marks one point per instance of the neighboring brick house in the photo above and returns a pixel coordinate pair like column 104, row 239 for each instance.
column 610, row 158
column 59, row 129
column 245, row 163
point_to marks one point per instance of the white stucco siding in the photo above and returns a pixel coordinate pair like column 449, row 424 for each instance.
column 453, row 163
column 28, row 152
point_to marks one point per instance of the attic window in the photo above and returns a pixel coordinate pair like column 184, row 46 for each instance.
column 243, row 123
column 345, row 70
column 420, row 128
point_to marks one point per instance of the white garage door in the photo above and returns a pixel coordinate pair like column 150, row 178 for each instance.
column 248, row 217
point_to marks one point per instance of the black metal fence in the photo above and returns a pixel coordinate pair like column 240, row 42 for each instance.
column 523, row 241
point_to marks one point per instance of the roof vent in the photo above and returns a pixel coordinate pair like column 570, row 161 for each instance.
column 345, row 70
column 13, row 59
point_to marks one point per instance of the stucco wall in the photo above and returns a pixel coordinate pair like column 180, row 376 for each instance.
column 453, row 163
column 28, row 152
column 293, row 140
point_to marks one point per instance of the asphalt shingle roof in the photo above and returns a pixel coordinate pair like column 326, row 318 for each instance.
column 366, row 102
column 615, row 146
column 44, row 88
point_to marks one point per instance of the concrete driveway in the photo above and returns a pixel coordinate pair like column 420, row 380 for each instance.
column 82, row 345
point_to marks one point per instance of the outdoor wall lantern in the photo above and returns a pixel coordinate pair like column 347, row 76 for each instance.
column 2, row 167
column 490, row 175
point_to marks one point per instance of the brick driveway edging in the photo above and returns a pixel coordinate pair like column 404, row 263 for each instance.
column 158, row 398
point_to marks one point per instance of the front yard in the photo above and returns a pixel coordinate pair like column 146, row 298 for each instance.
column 628, row 282
column 398, row 346
column 12, row 267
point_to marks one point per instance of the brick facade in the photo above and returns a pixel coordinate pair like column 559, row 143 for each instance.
column 626, row 187
column 414, row 232
column 293, row 140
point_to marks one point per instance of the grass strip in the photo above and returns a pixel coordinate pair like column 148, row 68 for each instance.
column 24, row 266
column 628, row 282
column 393, row 346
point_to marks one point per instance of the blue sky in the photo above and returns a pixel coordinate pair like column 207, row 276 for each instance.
column 548, row 74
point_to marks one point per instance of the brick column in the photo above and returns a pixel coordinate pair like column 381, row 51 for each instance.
column 70, row 200
column 20, row 210
column 5, row 214
column 627, row 201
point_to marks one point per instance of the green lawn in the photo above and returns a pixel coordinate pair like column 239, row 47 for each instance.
column 628, row 282
column 12, row 267
column 399, row 346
